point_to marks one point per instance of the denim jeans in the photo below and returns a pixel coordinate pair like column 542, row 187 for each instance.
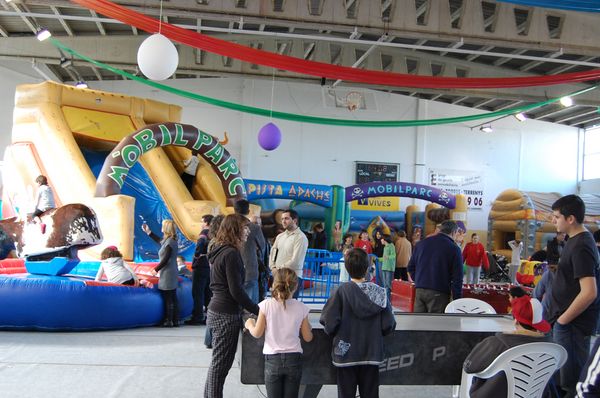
column 200, row 284
column 299, row 289
column 282, row 374
column 578, row 348
column 251, row 289
column 472, row 275
column 387, row 278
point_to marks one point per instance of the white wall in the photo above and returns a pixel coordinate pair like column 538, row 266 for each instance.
column 589, row 186
column 9, row 79
column 532, row 156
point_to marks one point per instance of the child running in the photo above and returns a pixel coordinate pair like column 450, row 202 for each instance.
column 357, row 316
column 280, row 318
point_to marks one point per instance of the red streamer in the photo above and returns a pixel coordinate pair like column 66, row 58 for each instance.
column 320, row 69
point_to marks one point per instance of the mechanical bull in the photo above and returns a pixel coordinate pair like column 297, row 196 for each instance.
column 67, row 229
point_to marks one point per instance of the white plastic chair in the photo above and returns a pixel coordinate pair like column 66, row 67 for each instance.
column 469, row 306
column 527, row 367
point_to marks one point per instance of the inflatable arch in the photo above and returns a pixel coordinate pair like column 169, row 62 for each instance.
column 527, row 216
column 131, row 148
column 329, row 197
column 335, row 198
column 455, row 206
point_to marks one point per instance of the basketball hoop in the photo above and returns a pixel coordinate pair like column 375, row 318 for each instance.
column 353, row 101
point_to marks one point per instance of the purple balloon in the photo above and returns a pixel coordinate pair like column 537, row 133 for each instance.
column 269, row 137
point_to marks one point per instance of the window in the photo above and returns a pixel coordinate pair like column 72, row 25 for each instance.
column 591, row 154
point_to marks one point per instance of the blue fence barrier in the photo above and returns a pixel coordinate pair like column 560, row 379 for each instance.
column 324, row 270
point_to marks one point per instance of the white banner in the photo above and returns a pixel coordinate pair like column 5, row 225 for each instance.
column 468, row 183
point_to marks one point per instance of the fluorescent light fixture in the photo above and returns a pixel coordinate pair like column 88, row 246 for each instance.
column 486, row 128
column 65, row 62
column 81, row 84
column 566, row 101
column 42, row 34
column 520, row 116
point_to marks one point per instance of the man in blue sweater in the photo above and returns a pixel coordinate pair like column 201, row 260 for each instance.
column 437, row 269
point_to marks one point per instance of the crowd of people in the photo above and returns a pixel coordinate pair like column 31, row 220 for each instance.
column 232, row 256
column 567, row 314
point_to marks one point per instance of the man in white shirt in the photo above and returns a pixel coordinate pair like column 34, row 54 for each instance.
column 290, row 247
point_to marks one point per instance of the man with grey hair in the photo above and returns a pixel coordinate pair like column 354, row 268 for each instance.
column 436, row 267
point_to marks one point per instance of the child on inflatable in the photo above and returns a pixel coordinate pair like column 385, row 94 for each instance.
column 115, row 269
column 44, row 200
column 182, row 268
column 280, row 318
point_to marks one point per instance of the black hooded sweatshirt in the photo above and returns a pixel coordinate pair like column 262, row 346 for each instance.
column 226, row 282
column 358, row 315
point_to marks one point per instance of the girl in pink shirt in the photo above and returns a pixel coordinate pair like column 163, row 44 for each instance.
column 281, row 318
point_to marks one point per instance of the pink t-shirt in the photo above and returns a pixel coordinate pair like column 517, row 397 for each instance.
column 283, row 325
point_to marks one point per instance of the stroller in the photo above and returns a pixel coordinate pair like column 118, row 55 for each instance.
column 499, row 270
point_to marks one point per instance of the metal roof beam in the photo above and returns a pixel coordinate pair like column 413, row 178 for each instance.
column 101, row 28
column 64, row 24
column 575, row 115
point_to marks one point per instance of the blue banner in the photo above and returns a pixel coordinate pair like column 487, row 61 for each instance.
column 321, row 195
column 404, row 189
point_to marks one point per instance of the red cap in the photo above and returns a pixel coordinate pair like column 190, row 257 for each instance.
column 528, row 311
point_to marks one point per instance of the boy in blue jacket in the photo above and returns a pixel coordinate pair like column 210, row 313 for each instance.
column 357, row 316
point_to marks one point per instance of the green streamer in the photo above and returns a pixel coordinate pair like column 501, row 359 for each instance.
column 312, row 119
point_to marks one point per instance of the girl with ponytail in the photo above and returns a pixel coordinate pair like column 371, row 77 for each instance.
column 280, row 318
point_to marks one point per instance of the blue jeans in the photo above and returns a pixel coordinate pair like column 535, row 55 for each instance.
column 200, row 284
column 251, row 289
column 387, row 278
column 300, row 287
column 282, row 374
column 578, row 348
column 472, row 275
column 208, row 337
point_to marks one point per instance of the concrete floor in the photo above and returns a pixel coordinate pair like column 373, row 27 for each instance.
column 145, row 362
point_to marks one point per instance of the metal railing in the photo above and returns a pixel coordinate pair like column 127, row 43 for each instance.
column 324, row 271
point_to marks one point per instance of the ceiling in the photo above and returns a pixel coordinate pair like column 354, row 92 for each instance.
column 459, row 38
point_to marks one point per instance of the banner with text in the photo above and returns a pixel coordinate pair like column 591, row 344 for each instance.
column 321, row 195
column 468, row 183
column 360, row 192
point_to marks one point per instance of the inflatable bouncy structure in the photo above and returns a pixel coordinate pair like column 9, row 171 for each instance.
column 527, row 217
column 58, row 129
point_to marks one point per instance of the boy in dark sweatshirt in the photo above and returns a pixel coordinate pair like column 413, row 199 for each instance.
column 357, row 316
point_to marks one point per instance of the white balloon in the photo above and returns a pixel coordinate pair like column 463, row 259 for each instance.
column 157, row 57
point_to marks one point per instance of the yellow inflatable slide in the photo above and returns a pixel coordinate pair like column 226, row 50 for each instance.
column 53, row 122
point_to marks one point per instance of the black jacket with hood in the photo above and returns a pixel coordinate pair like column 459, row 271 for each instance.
column 358, row 315
column 226, row 281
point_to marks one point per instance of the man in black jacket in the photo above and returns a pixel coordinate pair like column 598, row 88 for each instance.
column 251, row 250
column 436, row 266
column 200, row 274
